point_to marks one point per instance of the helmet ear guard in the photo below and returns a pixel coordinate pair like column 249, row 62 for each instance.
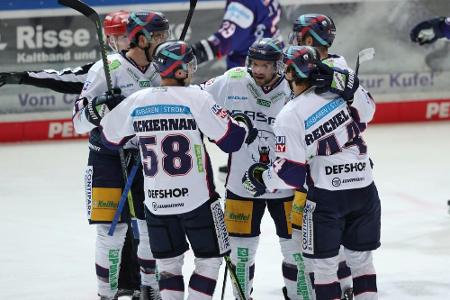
column 320, row 27
column 301, row 60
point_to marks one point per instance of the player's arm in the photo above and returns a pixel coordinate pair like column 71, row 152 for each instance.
column 67, row 81
column 94, row 100
column 428, row 31
column 236, row 29
column 117, row 125
column 216, row 87
column 226, row 132
column 288, row 171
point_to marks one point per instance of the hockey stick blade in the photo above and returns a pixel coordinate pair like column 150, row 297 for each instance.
column 366, row 55
column 192, row 4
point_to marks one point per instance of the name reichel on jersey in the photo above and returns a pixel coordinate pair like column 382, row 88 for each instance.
column 169, row 123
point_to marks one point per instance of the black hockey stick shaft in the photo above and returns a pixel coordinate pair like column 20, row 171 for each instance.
column 89, row 12
column 234, row 279
column 224, row 284
column 192, row 4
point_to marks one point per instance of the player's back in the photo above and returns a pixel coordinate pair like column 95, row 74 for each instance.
column 169, row 122
column 335, row 152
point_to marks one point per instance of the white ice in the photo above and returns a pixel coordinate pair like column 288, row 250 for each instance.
column 47, row 247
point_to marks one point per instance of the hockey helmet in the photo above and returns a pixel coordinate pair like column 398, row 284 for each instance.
column 146, row 23
column 320, row 27
column 115, row 24
column 266, row 49
column 301, row 59
column 171, row 56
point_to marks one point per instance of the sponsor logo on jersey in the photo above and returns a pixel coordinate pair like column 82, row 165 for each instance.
column 210, row 82
column 345, row 168
column 308, row 228
column 219, row 111
column 263, row 102
column 94, row 148
column 278, row 96
column 164, row 125
column 168, row 193
column 86, row 85
column 88, row 189
column 157, row 206
column 237, row 98
column 161, row 109
column 220, row 227
column 336, row 182
column 327, row 127
column 144, row 83
column 133, row 75
column 239, row 14
column 256, row 116
column 199, row 157
column 237, row 73
column 238, row 217
column 280, row 144
column 253, row 90
column 114, row 64
column 323, row 111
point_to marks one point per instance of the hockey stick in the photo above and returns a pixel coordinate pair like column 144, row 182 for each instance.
column 122, row 200
column 87, row 11
column 224, row 284
column 92, row 15
column 363, row 56
column 192, row 4
column 234, row 279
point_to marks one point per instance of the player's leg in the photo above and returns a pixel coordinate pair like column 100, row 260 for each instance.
column 207, row 234
column 322, row 230
column 243, row 219
column 297, row 285
column 129, row 277
column 361, row 236
column 103, row 184
column 147, row 263
column 168, row 244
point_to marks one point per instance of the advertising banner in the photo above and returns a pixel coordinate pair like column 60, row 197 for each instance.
column 402, row 75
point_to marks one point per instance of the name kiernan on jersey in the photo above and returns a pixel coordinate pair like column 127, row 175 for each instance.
column 164, row 125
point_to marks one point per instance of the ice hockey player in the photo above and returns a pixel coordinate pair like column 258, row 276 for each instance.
column 319, row 31
column 244, row 22
column 260, row 91
column 180, row 197
column 429, row 31
column 130, row 71
column 319, row 137
column 70, row 81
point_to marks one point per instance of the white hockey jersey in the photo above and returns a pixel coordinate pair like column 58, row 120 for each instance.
column 322, row 133
column 236, row 91
column 124, row 75
column 169, row 123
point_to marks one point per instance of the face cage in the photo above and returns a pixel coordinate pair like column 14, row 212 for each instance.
column 118, row 43
column 191, row 67
column 294, row 38
column 157, row 37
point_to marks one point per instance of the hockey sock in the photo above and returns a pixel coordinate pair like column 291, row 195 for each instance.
column 204, row 278
column 171, row 282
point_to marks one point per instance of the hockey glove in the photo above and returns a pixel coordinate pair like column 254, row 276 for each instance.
column 95, row 109
column 252, row 180
column 12, row 78
column 252, row 132
column 202, row 51
column 341, row 82
column 429, row 31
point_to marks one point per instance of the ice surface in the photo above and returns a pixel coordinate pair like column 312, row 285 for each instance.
column 47, row 247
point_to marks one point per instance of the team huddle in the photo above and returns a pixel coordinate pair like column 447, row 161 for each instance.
column 291, row 120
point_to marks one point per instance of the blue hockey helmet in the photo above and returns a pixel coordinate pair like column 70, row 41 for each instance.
column 320, row 27
column 266, row 49
column 147, row 23
column 171, row 56
column 301, row 59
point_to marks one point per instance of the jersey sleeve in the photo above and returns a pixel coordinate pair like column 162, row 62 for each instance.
column 236, row 28
column 363, row 107
column 67, row 81
column 289, row 169
column 94, row 86
column 215, row 122
column 117, row 125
